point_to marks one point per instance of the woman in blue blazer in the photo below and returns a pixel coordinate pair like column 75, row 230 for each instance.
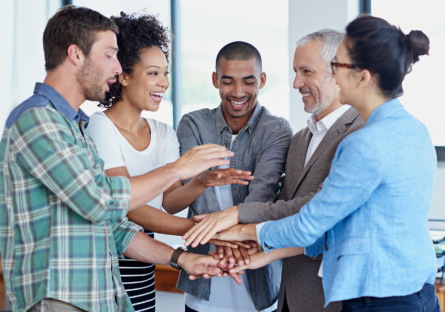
column 370, row 218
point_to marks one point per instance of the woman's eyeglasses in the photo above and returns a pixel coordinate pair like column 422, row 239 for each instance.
column 335, row 64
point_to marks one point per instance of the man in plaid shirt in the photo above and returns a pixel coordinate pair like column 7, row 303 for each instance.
column 62, row 220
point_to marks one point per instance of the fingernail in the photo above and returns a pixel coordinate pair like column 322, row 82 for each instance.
column 216, row 270
column 232, row 270
column 250, row 252
column 247, row 261
column 241, row 262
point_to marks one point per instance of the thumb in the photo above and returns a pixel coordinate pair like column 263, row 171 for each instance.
column 239, row 268
column 200, row 217
column 212, row 271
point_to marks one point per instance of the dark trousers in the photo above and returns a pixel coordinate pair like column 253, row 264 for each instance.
column 424, row 300
column 187, row 309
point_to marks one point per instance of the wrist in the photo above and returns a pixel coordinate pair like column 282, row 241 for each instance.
column 234, row 212
column 197, row 183
column 174, row 170
column 248, row 232
column 182, row 260
column 174, row 259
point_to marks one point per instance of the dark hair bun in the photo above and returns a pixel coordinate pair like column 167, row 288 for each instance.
column 419, row 43
column 383, row 49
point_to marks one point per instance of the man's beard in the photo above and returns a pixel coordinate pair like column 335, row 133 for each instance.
column 89, row 79
column 326, row 98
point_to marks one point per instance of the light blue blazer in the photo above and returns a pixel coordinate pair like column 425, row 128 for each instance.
column 372, row 212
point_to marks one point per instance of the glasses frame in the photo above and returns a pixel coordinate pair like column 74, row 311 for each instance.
column 335, row 64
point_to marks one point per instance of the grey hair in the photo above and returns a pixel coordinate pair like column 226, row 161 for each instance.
column 329, row 39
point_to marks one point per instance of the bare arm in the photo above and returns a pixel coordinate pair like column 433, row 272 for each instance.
column 153, row 219
column 179, row 196
column 200, row 158
column 146, row 249
column 261, row 259
column 257, row 212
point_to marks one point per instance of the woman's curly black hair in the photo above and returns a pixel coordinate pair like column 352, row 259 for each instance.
column 135, row 34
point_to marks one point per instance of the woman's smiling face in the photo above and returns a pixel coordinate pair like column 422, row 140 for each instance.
column 147, row 84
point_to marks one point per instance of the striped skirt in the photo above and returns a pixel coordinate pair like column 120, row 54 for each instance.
column 139, row 282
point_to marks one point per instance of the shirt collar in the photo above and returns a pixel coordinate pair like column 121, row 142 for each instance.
column 221, row 123
column 60, row 104
column 327, row 122
column 385, row 109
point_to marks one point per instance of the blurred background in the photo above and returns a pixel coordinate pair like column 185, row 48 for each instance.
column 202, row 27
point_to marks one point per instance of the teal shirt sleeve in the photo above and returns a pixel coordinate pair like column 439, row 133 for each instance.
column 123, row 232
column 355, row 173
column 48, row 150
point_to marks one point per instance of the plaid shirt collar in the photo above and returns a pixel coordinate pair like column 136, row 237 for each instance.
column 60, row 103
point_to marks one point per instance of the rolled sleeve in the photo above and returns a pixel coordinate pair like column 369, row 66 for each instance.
column 271, row 164
column 188, row 136
column 44, row 144
column 124, row 231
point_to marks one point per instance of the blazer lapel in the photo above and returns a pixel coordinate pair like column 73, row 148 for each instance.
column 298, row 162
column 337, row 129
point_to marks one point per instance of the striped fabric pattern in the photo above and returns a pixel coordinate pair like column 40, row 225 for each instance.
column 139, row 282
column 62, row 220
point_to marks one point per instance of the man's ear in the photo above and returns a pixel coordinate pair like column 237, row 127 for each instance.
column 215, row 80
column 123, row 79
column 75, row 55
column 262, row 80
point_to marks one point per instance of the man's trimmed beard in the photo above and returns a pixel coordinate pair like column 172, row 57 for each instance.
column 327, row 96
column 89, row 79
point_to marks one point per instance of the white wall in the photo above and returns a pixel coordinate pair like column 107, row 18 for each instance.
column 306, row 17
column 21, row 53
column 309, row 16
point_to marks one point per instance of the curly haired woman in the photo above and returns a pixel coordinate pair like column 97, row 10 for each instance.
column 131, row 145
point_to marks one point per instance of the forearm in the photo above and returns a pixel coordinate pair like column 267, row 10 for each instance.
column 261, row 212
column 146, row 187
column 183, row 196
column 155, row 220
column 282, row 253
column 146, row 249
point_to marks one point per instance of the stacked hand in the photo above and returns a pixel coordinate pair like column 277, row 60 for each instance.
column 211, row 224
column 222, row 226
column 220, row 177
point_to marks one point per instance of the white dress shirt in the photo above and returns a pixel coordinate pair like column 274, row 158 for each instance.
column 318, row 130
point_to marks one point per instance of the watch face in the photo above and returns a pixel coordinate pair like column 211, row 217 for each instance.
column 174, row 265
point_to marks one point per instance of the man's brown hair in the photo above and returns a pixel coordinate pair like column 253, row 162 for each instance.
column 72, row 25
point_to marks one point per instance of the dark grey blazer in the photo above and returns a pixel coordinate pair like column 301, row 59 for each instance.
column 300, row 282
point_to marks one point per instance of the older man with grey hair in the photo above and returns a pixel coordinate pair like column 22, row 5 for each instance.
column 308, row 162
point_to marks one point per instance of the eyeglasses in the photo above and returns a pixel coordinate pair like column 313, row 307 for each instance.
column 335, row 64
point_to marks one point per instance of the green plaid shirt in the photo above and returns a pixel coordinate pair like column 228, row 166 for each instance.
column 62, row 220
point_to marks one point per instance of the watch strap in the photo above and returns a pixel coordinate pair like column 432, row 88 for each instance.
column 175, row 256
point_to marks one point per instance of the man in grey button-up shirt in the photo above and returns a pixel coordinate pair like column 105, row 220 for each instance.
column 261, row 146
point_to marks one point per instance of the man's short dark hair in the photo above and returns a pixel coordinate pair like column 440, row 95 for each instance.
column 72, row 25
column 239, row 51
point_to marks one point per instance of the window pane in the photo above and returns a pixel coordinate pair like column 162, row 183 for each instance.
column 205, row 29
column 423, row 97
column 113, row 7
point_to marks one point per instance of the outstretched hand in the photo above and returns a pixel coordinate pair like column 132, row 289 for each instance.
column 200, row 158
column 209, row 225
column 238, row 232
column 198, row 266
column 261, row 259
column 220, row 177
